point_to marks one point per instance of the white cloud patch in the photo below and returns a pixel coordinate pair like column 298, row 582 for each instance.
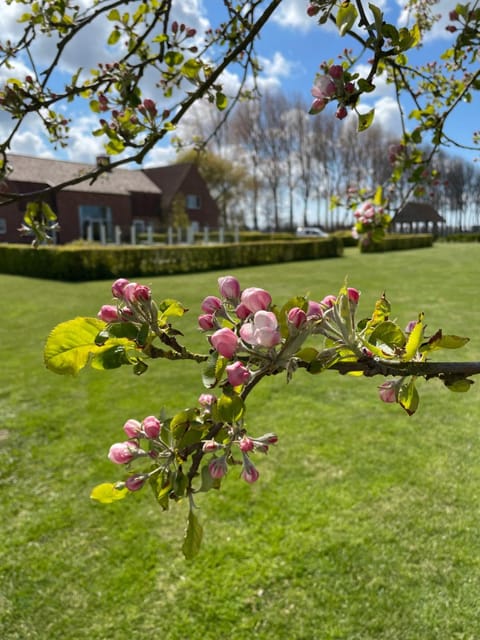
column 293, row 14
column 438, row 32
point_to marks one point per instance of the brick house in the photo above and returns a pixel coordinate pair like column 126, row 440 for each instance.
column 118, row 198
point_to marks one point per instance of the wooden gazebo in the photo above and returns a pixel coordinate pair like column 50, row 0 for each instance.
column 419, row 217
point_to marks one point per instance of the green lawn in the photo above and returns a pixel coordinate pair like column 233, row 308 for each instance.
column 365, row 523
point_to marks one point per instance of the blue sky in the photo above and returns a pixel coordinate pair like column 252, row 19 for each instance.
column 291, row 50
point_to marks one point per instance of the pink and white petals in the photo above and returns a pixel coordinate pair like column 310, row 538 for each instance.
column 225, row 342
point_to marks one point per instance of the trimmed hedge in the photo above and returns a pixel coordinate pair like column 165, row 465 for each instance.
column 470, row 236
column 398, row 242
column 107, row 262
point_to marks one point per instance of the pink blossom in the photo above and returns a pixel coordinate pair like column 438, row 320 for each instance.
column 134, row 483
column 297, row 317
column 256, row 299
column 314, row 309
column 207, row 399
column 410, row 326
column 242, row 312
column 151, row 427
column 353, row 295
column 322, row 91
column 218, row 467
column 387, row 391
column 229, row 287
column 328, row 301
column 118, row 286
column 263, row 331
column 336, row 71
column 123, row 452
column 237, row 374
column 341, row 113
column 211, row 304
column 268, row 438
column 246, row 444
column 225, row 342
column 249, row 472
column 108, row 313
column 206, row 322
column 132, row 428
column 210, row 446
column 134, row 292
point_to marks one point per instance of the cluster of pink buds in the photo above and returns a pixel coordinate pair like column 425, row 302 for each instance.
column 218, row 465
column 133, row 303
column 124, row 453
column 333, row 85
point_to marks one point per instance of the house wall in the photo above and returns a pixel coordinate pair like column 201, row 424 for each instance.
column 207, row 215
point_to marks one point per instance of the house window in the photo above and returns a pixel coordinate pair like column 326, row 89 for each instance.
column 95, row 220
column 3, row 226
column 193, row 202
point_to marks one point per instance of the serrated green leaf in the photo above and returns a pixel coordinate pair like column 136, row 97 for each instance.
column 414, row 340
column 388, row 333
column 106, row 493
column 193, row 536
column 452, row 342
column 191, row 68
column 182, row 421
column 71, row 345
column 171, row 308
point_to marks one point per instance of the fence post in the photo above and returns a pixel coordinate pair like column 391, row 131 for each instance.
column 89, row 232
column 133, row 234
column 118, row 234
column 205, row 235
column 169, row 235
column 221, row 235
column 236, row 234
column 149, row 234
column 179, row 235
column 103, row 234
column 190, row 234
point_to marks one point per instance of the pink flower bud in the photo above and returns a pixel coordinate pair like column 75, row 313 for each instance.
column 314, row 309
column 387, row 391
column 249, row 471
column 132, row 428
column 118, row 287
column 134, row 483
column 210, row 446
column 312, row 10
column 229, row 287
column 246, row 444
column 150, row 106
column 174, row 26
column 268, row 438
column 353, row 295
column 142, row 292
column 242, row 312
column 108, row 313
column 297, row 317
column 410, row 326
column 328, row 301
column 207, row 399
column 225, row 342
column 256, row 299
column 453, row 15
column 123, row 452
column 218, row 467
column 211, row 304
column 130, row 292
column 237, row 374
column 336, row 71
column 151, row 427
column 206, row 322
column 190, row 32
column 341, row 113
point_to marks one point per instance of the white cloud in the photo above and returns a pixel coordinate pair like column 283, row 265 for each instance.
column 293, row 14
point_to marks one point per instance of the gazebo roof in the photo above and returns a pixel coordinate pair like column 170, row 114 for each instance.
column 418, row 212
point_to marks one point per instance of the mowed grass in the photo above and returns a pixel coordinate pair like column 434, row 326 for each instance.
column 364, row 524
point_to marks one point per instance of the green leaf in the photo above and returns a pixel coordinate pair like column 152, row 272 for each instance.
column 170, row 307
column 71, row 345
column 173, row 58
column 365, row 120
column 230, row 407
column 191, row 68
column 307, row 354
column 209, row 373
column 193, row 536
column 408, row 396
column 110, row 358
column 107, row 493
column 182, row 421
column 452, row 342
column 461, row 385
column 414, row 340
column 346, row 16
column 221, row 101
column 388, row 333
column 114, row 37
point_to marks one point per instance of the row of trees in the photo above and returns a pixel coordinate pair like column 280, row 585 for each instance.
column 273, row 165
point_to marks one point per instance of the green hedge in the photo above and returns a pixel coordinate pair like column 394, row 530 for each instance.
column 397, row 242
column 106, row 262
column 462, row 237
